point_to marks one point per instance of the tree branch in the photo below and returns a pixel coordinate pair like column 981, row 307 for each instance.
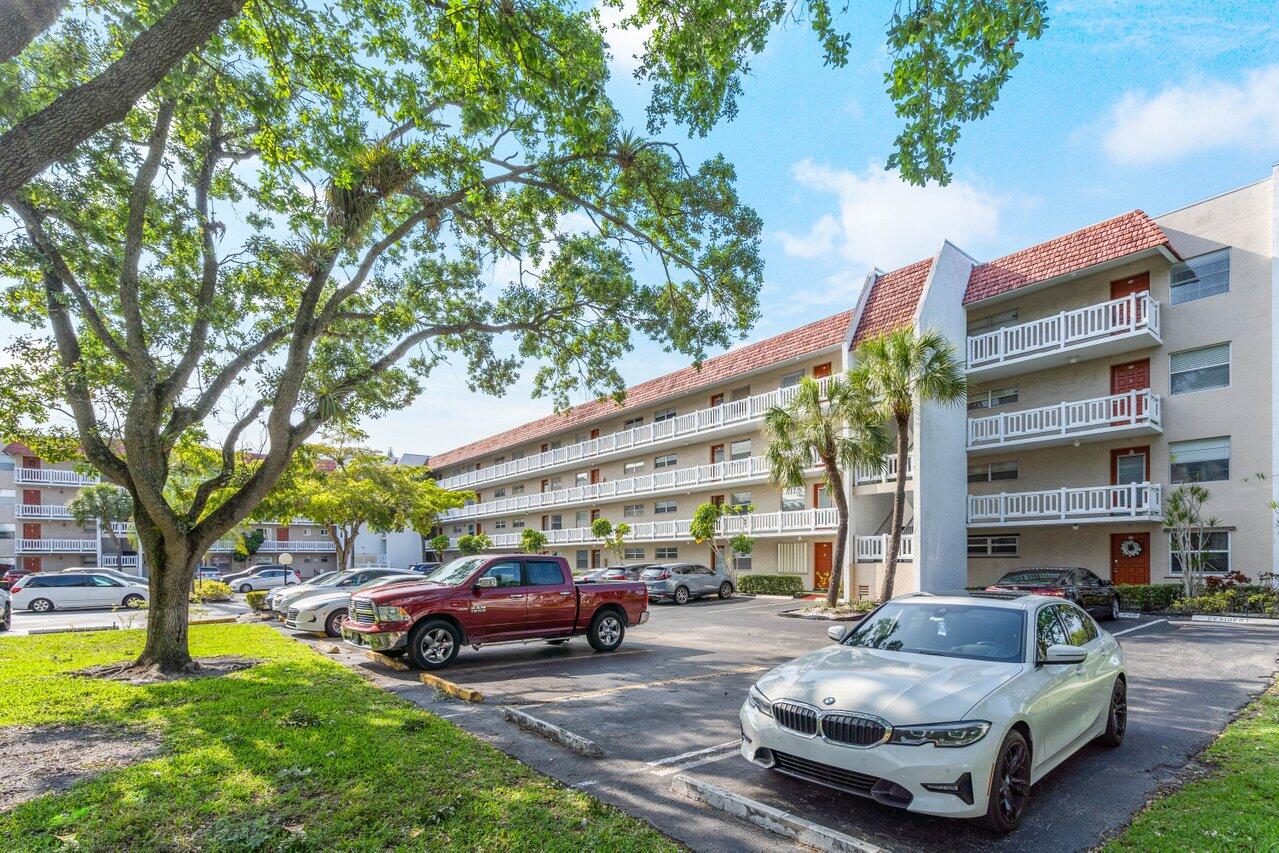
column 206, row 489
column 184, row 416
column 22, row 21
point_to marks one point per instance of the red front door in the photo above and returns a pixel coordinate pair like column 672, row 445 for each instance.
column 282, row 535
column 823, row 562
column 30, row 462
column 1139, row 283
column 821, row 371
column 1130, row 465
column 31, row 564
column 595, row 476
column 1130, row 569
column 717, row 400
column 1131, row 376
column 31, row 530
column 31, row 497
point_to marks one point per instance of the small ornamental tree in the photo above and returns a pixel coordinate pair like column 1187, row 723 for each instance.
column 439, row 544
column 1188, row 532
column 474, row 543
column 247, row 544
column 613, row 537
column 106, row 504
column 532, row 541
column 705, row 528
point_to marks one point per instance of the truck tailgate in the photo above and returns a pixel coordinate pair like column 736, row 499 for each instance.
column 631, row 595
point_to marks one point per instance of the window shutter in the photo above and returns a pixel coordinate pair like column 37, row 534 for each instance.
column 1205, row 275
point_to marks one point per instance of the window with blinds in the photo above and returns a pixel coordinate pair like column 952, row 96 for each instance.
column 1200, row 461
column 792, row 558
column 1199, row 369
column 1201, row 277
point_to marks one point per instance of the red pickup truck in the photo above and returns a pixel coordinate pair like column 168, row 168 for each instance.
column 492, row 599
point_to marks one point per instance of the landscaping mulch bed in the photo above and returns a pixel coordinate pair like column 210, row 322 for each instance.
column 209, row 667
column 38, row 760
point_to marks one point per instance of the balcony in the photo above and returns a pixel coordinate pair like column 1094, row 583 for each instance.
column 874, row 549
column 41, row 511
column 703, row 423
column 124, row 560
column 792, row 523
column 1128, row 503
column 51, row 477
column 735, row 472
column 1120, row 325
column 865, row 475
column 1116, row 416
column 276, row 546
column 57, row 546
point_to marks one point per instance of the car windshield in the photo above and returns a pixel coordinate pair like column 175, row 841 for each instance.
column 388, row 580
column 946, row 630
column 653, row 573
column 456, row 571
column 319, row 580
column 1035, row 576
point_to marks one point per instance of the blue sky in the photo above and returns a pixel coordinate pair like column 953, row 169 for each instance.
column 1145, row 104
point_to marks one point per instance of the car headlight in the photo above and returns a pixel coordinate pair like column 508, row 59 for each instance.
column 391, row 613
column 759, row 701
column 941, row 734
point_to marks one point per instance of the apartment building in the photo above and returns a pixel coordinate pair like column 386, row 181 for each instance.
column 1106, row 367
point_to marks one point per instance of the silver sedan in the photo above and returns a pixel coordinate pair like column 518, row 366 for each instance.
column 323, row 612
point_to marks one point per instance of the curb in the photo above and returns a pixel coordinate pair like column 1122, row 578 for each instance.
column 217, row 620
column 388, row 662
column 552, row 732
column 71, row 629
column 464, row 693
column 774, row 820
column 1235, row 620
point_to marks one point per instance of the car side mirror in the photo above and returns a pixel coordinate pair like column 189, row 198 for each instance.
column 836, row 632
column 486, row 583
column 1062, row 654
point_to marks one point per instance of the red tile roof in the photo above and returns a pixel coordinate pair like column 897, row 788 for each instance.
column 894, row 297
column 1106, row 241
column 766, row 353
column 15, row 448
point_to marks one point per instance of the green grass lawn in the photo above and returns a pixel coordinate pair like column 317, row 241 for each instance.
column 1235, row 808
column 297, row 741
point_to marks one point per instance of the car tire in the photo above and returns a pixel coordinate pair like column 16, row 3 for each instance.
column 606, row 631
column 433, row 644
column 246, row 587
column 7, row 623
column 333, row 625
column 40, row 605
column 1116, row 715
column 1113, row 613
column 558, row 642
column 725, row 590
column 1009, row 785
column 680, row 596
column 132, row 600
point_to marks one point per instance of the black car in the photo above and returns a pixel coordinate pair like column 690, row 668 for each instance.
column 1072, row 583
column 615, row 573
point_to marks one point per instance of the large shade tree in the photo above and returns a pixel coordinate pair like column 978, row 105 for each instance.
column 317, row 206
column 832, row 426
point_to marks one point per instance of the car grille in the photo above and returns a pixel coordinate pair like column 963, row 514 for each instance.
column 797, row 718
column 292, row 615
column 852, row 730
column 825, row 774
column 362, row 611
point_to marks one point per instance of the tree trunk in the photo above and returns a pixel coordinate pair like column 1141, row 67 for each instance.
column 52, row 134
column 841, row 531
column 172, row 562
column 899, row 507
column 22, row 20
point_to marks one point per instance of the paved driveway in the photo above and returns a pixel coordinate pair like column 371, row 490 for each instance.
column 667, row 703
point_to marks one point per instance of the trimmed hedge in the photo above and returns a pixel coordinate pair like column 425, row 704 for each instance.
column 1144, row 597
column 206, row 590
column 770, row 585
column 256, row 599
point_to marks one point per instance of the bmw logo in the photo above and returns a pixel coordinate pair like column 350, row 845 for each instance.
column 829, row 700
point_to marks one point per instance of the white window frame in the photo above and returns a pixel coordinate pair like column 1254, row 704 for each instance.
column 1193, row 270
column 1230, row 370
column 797, row 493
column 790, row 380
column 664, row 415
column 735, row 453
column 631, row 423
column 632, row 510
column 500, row 524
column 989, row 471
column 981, row 400
column 665, row 507
column 632, row 469
column 666, row 552
column 1173, row 569
column 1173, row 447
column 987, row 541
column 733, row 499
column 632, row 553
column 666, row 460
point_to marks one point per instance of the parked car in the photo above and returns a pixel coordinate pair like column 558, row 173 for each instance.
column 492, row 599
column 322, row 611
column 425, row 568
column 948, row 705
column 1099, row 597
column 680, row 582
column 208, row 573
column 230, row 578
column 45, row 591
column 6, row 610
column 279, row 599
column 615, row 573
column 266, row 578
column 12, row 574
column 123, row 577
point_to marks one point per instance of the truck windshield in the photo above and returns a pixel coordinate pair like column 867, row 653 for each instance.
column 456, row 571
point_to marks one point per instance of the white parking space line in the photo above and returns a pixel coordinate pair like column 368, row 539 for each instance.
column 676, row 759
column 680, row 768
column 1136, row 627
column 729, row 609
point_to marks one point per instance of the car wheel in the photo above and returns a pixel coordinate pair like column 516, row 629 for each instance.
column 333, row 625
column 40, row 605
column 245, row 587
column 133, row 600
column 1117, row 717
column 434, row 644
column 1114, row 610
column 557, row 642
column 726, row 590
column 1009, row 786
column 681, row 595
column 607, row 630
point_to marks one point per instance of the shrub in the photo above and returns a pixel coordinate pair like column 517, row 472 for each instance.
column 770, row 585
column 1145, row 597
column 206, row 590
column 256, row 599
column 1230, row 600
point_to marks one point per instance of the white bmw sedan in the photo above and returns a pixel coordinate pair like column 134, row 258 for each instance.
column 949, row 705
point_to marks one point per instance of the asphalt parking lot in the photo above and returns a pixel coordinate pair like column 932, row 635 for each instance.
column 666, row 704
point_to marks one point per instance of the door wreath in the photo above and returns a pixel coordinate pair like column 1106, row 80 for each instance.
column 1130, row 548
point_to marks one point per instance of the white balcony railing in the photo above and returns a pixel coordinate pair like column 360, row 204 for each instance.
column 886, row 474
column 720, row 473
column 1067, row 330
column 41, row 511
column 1129, row 502
column 1066, row 420
column 52, row 477
column 276, row 546
column 123, row 560
column 54, row 546
column 874, row 549
column 637, row 438
column 793, row 522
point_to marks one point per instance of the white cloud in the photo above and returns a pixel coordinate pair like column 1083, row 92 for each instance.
column 1191, row 118
column 884, row 222
column 626, row 44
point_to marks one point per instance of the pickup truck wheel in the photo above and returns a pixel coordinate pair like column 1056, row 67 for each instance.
column 681, row 595
column 726, row 590
column 433, row 644
column 606, row 631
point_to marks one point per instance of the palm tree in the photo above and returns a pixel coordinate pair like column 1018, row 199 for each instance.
column 900, row 370
column 836, row 427
column 106, row 504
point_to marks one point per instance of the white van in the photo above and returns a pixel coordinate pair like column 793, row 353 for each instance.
column 46, row 591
